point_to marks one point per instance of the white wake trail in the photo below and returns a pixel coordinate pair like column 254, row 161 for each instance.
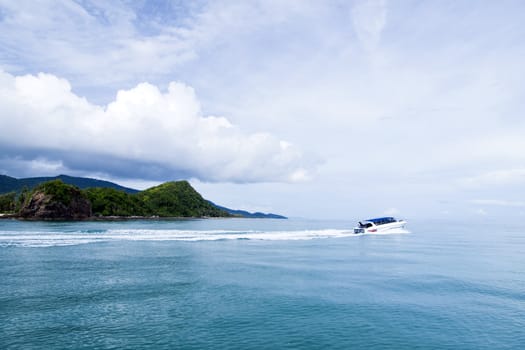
column 48, row 239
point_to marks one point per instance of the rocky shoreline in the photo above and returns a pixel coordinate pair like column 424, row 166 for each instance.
column 115, row 218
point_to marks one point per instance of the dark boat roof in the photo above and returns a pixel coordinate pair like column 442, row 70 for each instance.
column 386, row 218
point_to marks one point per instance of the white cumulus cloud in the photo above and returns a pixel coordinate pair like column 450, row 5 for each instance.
column 159, row 133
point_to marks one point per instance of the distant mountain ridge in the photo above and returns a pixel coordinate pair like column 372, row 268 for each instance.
column 11, row 184
column 247, row 214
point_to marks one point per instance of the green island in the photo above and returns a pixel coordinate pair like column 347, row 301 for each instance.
column 56, row 200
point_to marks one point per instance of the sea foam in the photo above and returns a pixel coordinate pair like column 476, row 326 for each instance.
column 48, row 239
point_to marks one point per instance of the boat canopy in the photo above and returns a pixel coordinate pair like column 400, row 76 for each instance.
column 382, row 221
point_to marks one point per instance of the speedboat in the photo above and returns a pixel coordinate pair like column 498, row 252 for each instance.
column 379, row 225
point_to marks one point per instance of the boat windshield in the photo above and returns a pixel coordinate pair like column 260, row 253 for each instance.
column 383, row 221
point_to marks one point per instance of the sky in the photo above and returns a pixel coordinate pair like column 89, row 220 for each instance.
column 318, row 109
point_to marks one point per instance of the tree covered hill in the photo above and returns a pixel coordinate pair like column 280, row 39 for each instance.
column 178, row 197
column 170, row 199
column 56, row 200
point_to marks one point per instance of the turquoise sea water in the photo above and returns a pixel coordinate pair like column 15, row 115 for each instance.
column 260, row 284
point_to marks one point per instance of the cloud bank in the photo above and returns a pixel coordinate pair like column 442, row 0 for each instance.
column 143, row 133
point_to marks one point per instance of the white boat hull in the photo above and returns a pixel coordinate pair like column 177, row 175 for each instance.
column 383, row 228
